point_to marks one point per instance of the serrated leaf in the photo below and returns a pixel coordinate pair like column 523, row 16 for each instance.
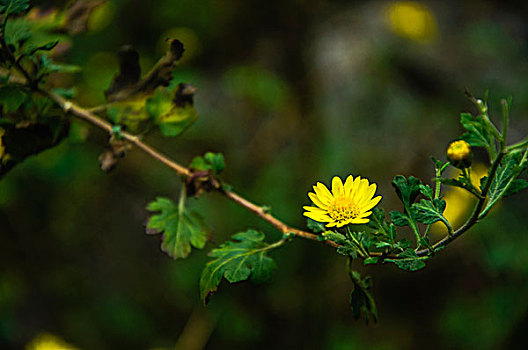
column 181, row 229
column 406, row 189
column 399, row 219
column 429, row 212
column 238, row 260
column 314, row 226
column 504, row 182
column 409, row 260
column 477, row 134
column 13, row 7
column 427, row 191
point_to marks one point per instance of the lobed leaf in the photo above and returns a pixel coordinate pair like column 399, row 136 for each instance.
column 399, row 219
column 429, row 211
column 181, row 229
column 477, row 134
column 504, row 182
column 406, row 189
column 238, row 260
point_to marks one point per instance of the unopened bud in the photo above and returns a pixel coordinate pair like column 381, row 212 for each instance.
column 459, row 154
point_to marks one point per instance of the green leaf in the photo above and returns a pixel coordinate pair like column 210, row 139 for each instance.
column 13, row 7
column 462, row 182
column 399, row 219
column 406, row 189
column 12, row 97
column 48, row 66
column 216, row 160
column 477, row 134
column 346, row 248
column 504, row 182
column 427, row 191
column 516, row 186
column 314, row 226
column 409, row 260
column 210, row 161
column 377, row 221
column 181, row 229
column 171, row 119
column 130, row 114
column 371, row 260
column 429, row 212
column 237, row 261
column 361, row 300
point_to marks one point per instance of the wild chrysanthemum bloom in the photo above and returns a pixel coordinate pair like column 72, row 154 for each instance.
column 346, row 204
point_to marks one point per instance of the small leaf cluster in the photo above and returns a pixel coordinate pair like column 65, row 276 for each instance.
column 29, row 41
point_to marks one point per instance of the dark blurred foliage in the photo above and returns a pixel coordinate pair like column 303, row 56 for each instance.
column 292, row 92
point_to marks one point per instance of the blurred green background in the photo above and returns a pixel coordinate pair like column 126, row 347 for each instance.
column 292, row 92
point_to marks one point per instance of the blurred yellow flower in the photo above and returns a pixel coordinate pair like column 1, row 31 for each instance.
column 411, row 20
column 47, row 341
column 346, row 204
column 459, row 201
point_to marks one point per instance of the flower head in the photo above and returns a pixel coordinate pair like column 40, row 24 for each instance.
column 459, row 154
column 346, row 204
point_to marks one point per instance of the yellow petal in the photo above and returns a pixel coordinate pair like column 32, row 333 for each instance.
column 359, row 221
column 323, row 193
column 367, row 197
column 355, row 185
column 317, row 217
column 348, row 185
column 315, row 199
column 337, row 187
column 372, row 203
column 315, row 210
column 331, row 224
column 362, row 187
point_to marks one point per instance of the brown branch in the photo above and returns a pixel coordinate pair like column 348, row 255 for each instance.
column 81, row 113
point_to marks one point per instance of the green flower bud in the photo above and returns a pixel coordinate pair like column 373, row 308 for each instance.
column 459, row 154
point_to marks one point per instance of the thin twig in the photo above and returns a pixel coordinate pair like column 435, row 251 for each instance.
column 476, row 212
column 81, row 113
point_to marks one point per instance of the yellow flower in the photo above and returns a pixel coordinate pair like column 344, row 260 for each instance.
column 411, row 20
column 47, row 341
column 346, row 204
column 459, row 154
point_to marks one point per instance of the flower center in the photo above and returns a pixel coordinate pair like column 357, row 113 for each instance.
column 343, row 208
